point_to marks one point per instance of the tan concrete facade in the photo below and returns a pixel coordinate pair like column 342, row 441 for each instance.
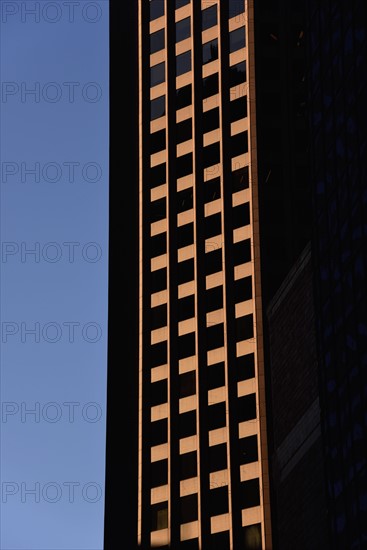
column 231, row 501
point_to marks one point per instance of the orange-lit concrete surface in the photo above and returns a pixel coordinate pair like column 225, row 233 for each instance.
column 224, row 502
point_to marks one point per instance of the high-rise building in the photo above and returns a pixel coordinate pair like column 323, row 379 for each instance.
column 338, row 121
column 203, row 472
column 201, row 458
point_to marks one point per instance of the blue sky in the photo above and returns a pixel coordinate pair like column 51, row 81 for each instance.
column 54, row 257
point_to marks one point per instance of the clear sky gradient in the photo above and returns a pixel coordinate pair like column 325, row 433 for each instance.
column 54, row 259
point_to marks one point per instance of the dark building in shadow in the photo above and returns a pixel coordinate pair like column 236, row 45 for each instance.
column 337, row 78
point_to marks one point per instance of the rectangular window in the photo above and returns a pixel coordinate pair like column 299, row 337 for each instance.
column 242, row 252
column 210, row 85
column 215, row 376
column 158, row 245
column 245, row 367
column 237, row 74
column 158, row 280
column 209, row 17
column 214, row 336
column 239, row 144
column 188, row 465
column 214, row 298
column 248, row 449
column 250, row 493
column 157, row 41
column 184, row 200
column 238, row 108
column 158, row 393
column 212, row 225
column 159, row 473
column 156, row 9
column 186, row 271
column 158, row 432
column 180, row 3
column 189, row 508
column 246, row 407
column 187, row 424
column 183, row 29
column 218, row 457
column 211, row 155
column 157, row 141
column 212, row 189
column 218, row 502
column 213, row 262
column 184, row 165
column 217, row 416
column 157, row 74
column 240, row 179
column 183, row 97
column 157, row 107
column 244, row 328
column 187, row 384
column 186, row 308
column 237, row 39
column 158, row 355
column 211, row 120
column 184, row 130
column 158, row 317
column 157, row 210
column 236, row 7
column 243, row 289
column 159, row 516
column 210, row 51
column 186, row 345
column 185, row 235
column 241, row 215
column 157, row 175
column 183, row 63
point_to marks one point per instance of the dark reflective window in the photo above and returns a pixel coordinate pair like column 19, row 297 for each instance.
column 209, row 17
column 157, row 74
column 183, row 63
column 237, row 39
column 183, row 29
column 157, row 107
column 157, row 41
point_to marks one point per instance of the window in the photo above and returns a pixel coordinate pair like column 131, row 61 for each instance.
column 237, row 39
column 158, row 354
column 187, row 384
column 248, row 449
column 157, row 141
column 252, row 536
column 237, row 74
column 218, row 501
column 157, row 107
column 217, row 416
column 243, row 289
column 183, row 97
column 189, row 508
column 209, row 17
column 210, row 85
column 238, row 108
column 158, row 432
column 184, row 165
column 214, row 298
column 157, row 175
column 158, row 280
column 211, row 120
column 218, row 458
column 184, row 200
column 158, row 317
column 221, row 541
column 241, row 215
column 183, row 63
column 157, row 41
column 180, row 3
column 211, row 155
column 210, row 51
column 157, row 74
column 239, row 144
column 158, row 245
column 240, row 179
column 159, row 473
column 188, row 465
column 186, row 271
column 236, row 7
column 244, row 327
column 183, row 29
column 242, row 252
column 215, row 376
column 246, row 407
column 186, row 345
column 156, row 9
column 250, row 493
column 158, row 393
column 186, row 308
column 157, row 210
column 213, row 262
column 245, row 367
column 185, row 235
column 214, row 336
column 212, row 225
column 184, row 130
column 187, row 424
column 212, row 189
column 159, row 516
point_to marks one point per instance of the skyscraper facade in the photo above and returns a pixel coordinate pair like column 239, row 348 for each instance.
column 338, row 121
column 202, row 443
